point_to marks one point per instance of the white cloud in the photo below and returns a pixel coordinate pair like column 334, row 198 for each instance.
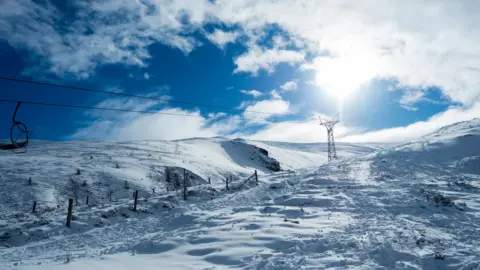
column 114, row 89
column 120, row 104
column 420, row 44
column 132, row 126
column 146, row 76
column 243, row 105
column 254, row 93
column 275, row 94
column 222, row 38
column 260, row 111
column 410, row 98
column 126, row 103
column 307, row 131
column 257, row 59
column 227, row 125
column 161, row 126
column 418, row 129
column 417, row 43
column 106, row 32
column 150, row 127
column 310, row 131
column 279, row 42
column 214, row 116
column 289, row 86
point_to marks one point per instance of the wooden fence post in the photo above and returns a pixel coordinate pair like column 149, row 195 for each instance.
column 70, row 210
column 256, row 177
column 209, row 180
column 34, row 206
column 226, row 183
column 135, row 204
column 86, row 202
column 184, row 184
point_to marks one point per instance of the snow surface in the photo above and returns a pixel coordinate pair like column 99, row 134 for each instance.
column 377, row 207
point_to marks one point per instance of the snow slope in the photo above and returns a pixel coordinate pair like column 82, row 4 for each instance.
column 406, row 207
column 295, row 156
column 108, row 165
column 453, row 148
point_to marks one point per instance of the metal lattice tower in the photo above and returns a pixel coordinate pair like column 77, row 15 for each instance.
column 332, row 151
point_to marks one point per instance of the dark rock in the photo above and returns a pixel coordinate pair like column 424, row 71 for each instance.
column 263, row 151
column 269, row 163
column 439, row 256
column 5, row 236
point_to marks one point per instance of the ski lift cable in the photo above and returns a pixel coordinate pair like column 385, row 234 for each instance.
column 15, row 144
column 95, row 108
column 132, row 95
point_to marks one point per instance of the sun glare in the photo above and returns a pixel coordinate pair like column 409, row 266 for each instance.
column 341, row 76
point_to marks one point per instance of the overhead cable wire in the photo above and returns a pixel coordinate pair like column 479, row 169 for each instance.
column 96, row 108
column 132, row 95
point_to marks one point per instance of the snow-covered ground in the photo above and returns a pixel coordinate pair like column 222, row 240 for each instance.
column 414, row 206
column 106, row 166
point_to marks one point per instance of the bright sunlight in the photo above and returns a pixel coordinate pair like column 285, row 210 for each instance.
column 342, row 75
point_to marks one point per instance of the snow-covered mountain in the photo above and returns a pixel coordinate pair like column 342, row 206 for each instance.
column 108, row 165
column 453, row 148
column 412, row 206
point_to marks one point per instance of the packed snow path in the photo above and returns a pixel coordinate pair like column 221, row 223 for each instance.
column 368, row 213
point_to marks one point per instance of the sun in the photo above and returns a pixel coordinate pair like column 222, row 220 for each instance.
column 340, row 76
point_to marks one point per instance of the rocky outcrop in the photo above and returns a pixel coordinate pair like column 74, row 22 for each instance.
column 261, row 155
column 174, row 178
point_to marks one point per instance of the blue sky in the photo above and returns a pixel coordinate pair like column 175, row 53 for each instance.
column 392, row 75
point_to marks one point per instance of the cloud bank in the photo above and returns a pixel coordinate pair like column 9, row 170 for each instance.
column 420, row 44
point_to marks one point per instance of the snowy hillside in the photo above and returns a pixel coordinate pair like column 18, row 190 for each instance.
column 414, row 206
column 104, row 167
column 454, row 148
column 295, row 156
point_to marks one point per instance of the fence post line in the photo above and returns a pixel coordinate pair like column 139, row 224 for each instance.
column 226, row 183
column 86, row 202
column 209, row 180
column 184, row 184
column 34, row 206
column 256, row 177
column 70, row 210
column 135, row 204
